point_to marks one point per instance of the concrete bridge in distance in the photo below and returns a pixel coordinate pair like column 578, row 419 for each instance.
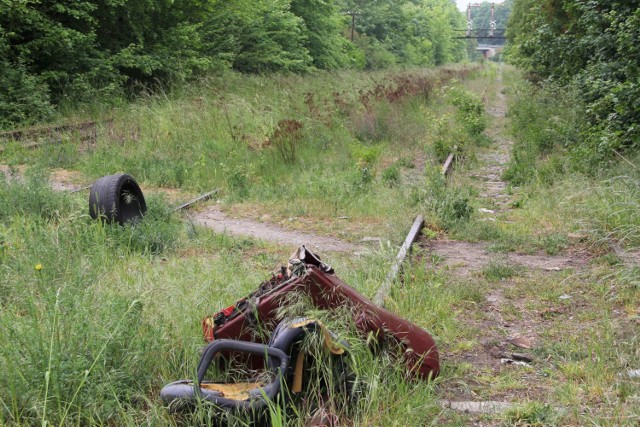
column 489, row 50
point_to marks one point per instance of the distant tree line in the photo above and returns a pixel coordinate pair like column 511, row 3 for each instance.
column 593, row 48
column 54, row 51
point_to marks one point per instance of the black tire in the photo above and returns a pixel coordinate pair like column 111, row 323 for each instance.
column 116, row 198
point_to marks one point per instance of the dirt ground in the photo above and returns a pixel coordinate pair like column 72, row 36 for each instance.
column 508, row 328
column 213, row 217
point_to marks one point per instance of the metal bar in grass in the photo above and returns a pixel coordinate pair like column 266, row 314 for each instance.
column 22, row 134
column 198, row 199
column 446, row 167
column 51, row 134
column 627, row 259
column 84, row 187
column 385, row 289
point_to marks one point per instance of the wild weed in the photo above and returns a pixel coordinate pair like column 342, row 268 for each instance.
column 499, row 270
column 449, row 206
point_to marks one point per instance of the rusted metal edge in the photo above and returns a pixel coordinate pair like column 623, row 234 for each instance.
column 21, row 134
column 53, row 133
column 446, row 167
column 200, row 198
column 77, row 190
column 385, row 289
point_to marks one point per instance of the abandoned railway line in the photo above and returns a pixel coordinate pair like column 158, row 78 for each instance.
column 511, row 320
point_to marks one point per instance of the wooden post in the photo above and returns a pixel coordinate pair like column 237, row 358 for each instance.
column 447, row 164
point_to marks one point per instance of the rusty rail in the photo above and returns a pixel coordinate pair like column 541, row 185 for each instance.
column 627, row 260
column 385, row 289
column 200, row 198
column 84, row 187
column 448, row 164
column 50, row 134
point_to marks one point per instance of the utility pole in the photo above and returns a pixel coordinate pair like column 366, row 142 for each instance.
column 492, row 21
column 469, row 20
column 353, row 21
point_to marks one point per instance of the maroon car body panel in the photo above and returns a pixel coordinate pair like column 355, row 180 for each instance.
column 327, row 292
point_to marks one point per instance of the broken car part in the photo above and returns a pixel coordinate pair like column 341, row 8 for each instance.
column 307, row 274
column 385, row 289
column 116, row 198
column 282, row 362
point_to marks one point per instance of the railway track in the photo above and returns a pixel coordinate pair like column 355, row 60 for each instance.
column 35, row 137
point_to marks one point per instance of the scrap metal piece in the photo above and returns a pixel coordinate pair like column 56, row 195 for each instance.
column 385, row 289
column 195, row 200
column 276, row 370
column 486, row 407
column 326, row 291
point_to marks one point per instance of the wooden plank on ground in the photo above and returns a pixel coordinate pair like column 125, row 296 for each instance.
column 447, row 164
column 385, row 289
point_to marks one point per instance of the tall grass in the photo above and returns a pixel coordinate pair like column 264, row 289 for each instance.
column 112, row 313
column 316, row 145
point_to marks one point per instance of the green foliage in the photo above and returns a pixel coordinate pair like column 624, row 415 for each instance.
column 531, row 414
column 30, row 197
column 544, row 121
column 470, row 110
column 90, row 51
column 321, row 32
column 391, row 176
column 499, row 270
column 555, row 243
column 287, row 136
column 593, row 47
column 613, row 208
column 365, row 155
column 23, row 97
column 449, row 137
column 450, row 206
column 257, row 36
column 453, row 131
column 408, row 32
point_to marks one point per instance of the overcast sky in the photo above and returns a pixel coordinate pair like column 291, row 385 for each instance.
column 462, row 4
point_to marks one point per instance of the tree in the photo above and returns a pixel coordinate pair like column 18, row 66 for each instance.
column 593, row 46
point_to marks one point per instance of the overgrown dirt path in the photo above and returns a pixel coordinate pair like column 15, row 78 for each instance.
column 494, row 363
column 466, row 257
column 211, row 216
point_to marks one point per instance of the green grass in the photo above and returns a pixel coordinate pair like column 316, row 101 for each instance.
column 320, row 146
column 499, row 270
column 114, row 313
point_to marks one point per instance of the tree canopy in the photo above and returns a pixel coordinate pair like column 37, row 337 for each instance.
column 78, row 50
column 592, row 46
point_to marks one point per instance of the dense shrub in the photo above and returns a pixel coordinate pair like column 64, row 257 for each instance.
column 95, row 50
column 592, row 47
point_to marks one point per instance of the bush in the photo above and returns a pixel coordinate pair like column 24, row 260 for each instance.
column 546, row 122
column 448, row 206
column 24, row 98
column 592, row 47
column 470, row 109
column 391, row 176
